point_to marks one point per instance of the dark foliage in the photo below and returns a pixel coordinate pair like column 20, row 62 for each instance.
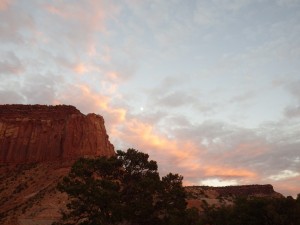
column 125, row 189
column 254, row 211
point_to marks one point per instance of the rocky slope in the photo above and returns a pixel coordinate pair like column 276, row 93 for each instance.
column 38, row 145
column 28, row 194
column 39, row 133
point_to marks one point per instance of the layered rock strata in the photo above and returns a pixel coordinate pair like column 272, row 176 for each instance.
column 38, row 133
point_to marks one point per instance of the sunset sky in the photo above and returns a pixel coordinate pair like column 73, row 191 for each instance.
column 209, row 88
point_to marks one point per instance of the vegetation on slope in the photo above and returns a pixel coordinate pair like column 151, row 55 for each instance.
column 254, row 211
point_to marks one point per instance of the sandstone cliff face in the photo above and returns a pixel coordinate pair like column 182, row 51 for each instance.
column 37, row 133
column 38, row 145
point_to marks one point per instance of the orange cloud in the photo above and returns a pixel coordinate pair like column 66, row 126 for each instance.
column 103, row 103
column 222, row 171
column 183, row 156
column 288, row 186
column 80, row 68
column 89, row 101
column 113, row 76
column 144, row 135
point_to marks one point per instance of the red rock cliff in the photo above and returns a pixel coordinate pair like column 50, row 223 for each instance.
column 36, row 133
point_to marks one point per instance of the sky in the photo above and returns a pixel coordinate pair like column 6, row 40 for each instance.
column 210, row 89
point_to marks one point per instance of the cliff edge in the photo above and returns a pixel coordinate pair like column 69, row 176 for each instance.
column 38, row 133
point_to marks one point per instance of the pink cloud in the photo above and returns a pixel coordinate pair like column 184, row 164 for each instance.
column 225, row 171
column 4, row 4
column 184, row 156
column 81, row 68
column 91, row 14
column 288, row 186
column 88, row 101
column 246, row 148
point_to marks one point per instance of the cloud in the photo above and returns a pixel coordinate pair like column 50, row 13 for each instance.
column 232, row 4
column 283, row 175
column 293, row 111
column 186, row 155
column 191, row 66
column 212, row 152
column 218, row 182
column 78, row 12
column 78, row 24
column 242, row 97
column 9, row 97
column 80, row 68
column 206, row 15
column 289, row 186
column 14, row 23
column 10, row 64
column 30, row 88
column 88, row 100
column 41, row 88
column 294, row 88
column 173, row 93
column 175, row 99
column 4, row 4
column 223, row 172
column 288, row 2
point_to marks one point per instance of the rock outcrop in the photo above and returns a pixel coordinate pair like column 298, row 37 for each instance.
column 38, row 133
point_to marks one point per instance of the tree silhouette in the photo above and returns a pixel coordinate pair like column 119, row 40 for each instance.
column 123, row 189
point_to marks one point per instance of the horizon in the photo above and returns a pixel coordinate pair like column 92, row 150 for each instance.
column 209, row 89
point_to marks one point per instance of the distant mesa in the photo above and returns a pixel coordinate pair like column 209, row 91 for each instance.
column 200, row 196
column 258, row 190
column 38, row 133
